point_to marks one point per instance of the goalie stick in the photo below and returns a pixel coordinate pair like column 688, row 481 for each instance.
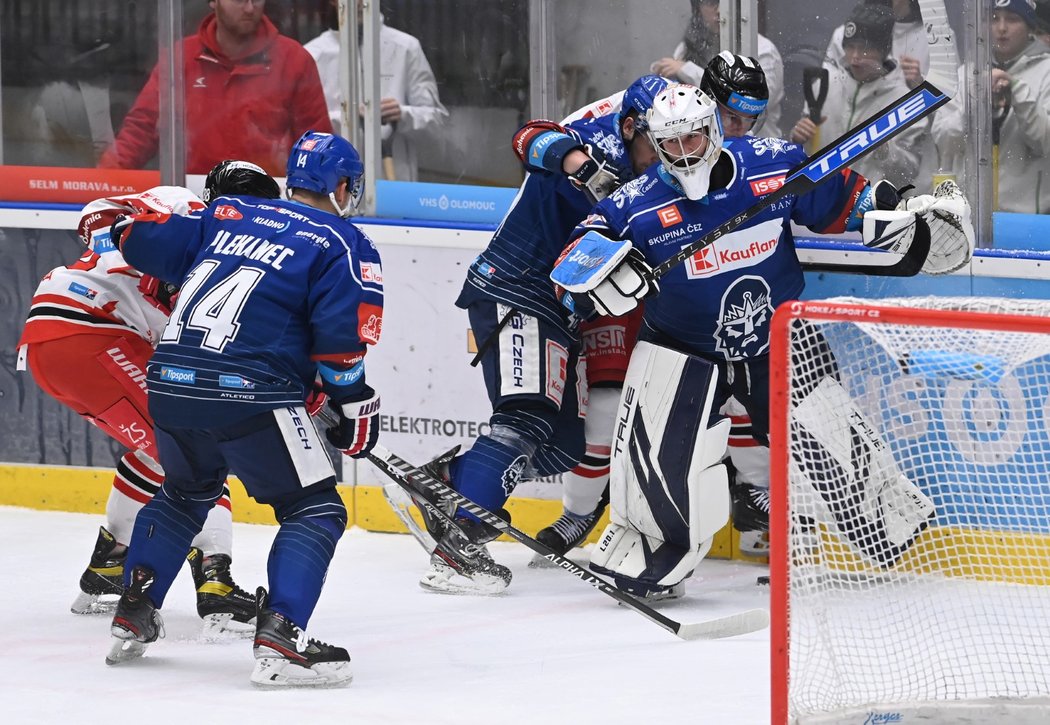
column 847, row 149
column 418, row 482
column 854, row 144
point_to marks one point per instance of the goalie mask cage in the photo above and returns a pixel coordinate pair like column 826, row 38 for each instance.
column 910, row 524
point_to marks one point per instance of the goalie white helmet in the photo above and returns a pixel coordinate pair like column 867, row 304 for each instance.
column 687, row 134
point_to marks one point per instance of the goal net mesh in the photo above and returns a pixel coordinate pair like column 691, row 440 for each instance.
column 917, row 456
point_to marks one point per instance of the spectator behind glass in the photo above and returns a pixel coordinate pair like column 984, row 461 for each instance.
column 1020, row 83
column 250, row 93
column 409, row 106
column 865, row 84
column 909, row 40
column 701, row 44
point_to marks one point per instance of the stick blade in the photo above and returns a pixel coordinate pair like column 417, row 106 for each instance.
column 730, row 626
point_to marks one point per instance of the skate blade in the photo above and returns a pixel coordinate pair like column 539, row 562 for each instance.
column 446, row 580
column 94, row 603
column 276, row 673
column 124, row 650
column 401, row 504
column 220, row 627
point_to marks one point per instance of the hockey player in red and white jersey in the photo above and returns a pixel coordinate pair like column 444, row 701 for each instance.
column 91, row 330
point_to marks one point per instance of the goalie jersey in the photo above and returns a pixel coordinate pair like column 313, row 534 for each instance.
column 719, row 302
column 298, row 283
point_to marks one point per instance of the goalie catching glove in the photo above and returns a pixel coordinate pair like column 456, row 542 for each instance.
column 895, row 223
column 608, row 275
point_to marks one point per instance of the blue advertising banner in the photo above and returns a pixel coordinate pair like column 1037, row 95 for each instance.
column 442, row 202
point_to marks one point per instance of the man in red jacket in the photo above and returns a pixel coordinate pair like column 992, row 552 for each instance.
column 250, row 93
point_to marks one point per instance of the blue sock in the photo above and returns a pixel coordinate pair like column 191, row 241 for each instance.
column 298, row 564
column 164, row 530
column 488, row 472
column 302, row 550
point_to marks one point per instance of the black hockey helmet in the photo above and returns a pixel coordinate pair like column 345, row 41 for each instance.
column 234, row 178
column 736, row 82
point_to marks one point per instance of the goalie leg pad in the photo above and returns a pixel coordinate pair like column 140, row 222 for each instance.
column 860, row 489
column 669, row 492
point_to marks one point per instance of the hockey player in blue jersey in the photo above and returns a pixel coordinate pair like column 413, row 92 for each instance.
column 715, row 308
column 274, row 294
column 527, row 347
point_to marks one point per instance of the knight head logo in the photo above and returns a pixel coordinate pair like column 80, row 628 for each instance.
column 743, row 325
column 514, row 473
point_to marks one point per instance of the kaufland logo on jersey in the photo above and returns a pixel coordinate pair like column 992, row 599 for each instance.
column 739, row 250
column 371, row 272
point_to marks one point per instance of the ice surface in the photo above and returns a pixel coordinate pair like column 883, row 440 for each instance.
column 550, row 650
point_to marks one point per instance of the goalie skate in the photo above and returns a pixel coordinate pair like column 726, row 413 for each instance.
column 461, row 564
column 136, row 622
column 225, row 608
column 102, row 582
column 285, row 657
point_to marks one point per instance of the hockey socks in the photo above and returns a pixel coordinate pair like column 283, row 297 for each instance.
column 301, row 552
column 488, row 473
column 161, row 538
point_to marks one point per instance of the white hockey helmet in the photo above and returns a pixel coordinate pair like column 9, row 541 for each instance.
column 687, row 135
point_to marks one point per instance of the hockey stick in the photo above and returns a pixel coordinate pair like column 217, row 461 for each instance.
column 847, row 149
column 855, row 144
column 908, row 265
column 425, row 486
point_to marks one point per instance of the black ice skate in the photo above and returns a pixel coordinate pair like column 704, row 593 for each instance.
column 223, row 605
column 136, row 622
column 102, row 582
column 461, row 564
column 402, row 502
column 750, row 507
column 285, row 657
column 438, row 468
column 569, row 531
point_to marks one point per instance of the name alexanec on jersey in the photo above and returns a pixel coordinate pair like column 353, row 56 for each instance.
column 250, row 247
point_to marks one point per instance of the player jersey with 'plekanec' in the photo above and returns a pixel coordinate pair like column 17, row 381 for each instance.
column 719, row 302
column 514, row 269
column 268, row 288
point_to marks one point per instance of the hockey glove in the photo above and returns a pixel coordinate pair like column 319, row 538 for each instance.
column 596, row 178
column 357, row 431
column 315, row 400
column 158, row 293
column 947, row 212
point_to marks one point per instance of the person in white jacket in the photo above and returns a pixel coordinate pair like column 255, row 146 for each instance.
column 1020, row 82
column 868, row 81
column 701, row 43
column 409, row 106
column 910, row 47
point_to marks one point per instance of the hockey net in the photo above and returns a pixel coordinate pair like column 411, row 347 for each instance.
column 911, row 510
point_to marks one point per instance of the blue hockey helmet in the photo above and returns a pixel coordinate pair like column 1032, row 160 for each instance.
column 639, row 97
column 319, row 161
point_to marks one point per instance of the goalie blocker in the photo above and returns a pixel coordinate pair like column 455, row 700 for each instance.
column 669, row 493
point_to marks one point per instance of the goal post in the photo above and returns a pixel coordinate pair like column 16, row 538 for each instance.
column 910, row 518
